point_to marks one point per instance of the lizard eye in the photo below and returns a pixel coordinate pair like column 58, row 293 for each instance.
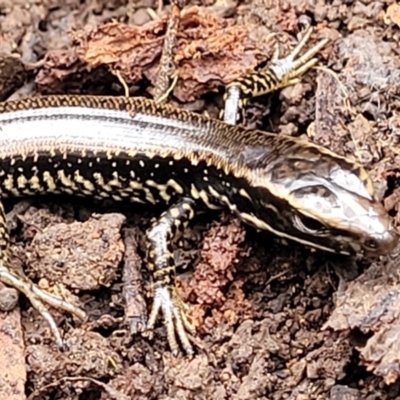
column 371, row 244
column 309, row 225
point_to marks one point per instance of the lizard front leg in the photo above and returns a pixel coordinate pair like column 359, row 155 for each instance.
column 161, row 263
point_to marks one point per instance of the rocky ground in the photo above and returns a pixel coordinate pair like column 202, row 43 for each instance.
column 273, row 321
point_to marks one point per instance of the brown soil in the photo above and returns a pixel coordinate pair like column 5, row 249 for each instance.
column 274, row 321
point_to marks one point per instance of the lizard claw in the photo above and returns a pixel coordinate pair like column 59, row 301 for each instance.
column 167, row 300
column 39, row 299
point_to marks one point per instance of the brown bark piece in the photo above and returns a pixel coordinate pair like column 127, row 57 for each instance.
column 210, row 52
column 329, row 112
column 132, row 290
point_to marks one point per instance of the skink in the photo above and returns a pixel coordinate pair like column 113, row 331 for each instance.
column 137, row 150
